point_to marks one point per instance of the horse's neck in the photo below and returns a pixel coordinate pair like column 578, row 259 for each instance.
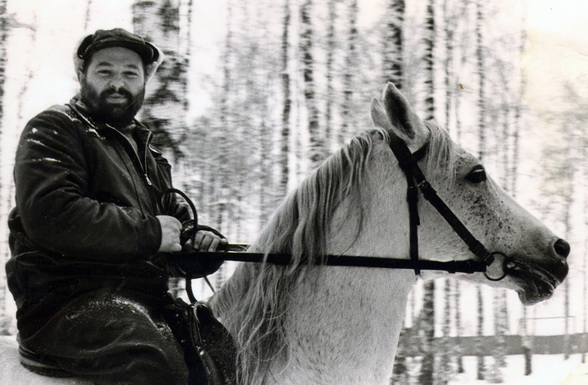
column 342, row 324
column 351, row 320
column 350, row 323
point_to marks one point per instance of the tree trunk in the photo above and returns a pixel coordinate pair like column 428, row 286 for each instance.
column 6, row 184
column 500, row 330
column 330, row 97
column 221, row 183
column 458, row 326
column 584, row 162
column 427, row 374
column 316, row 137
column 4, row 31
column 445, row 364
column 165, row 104
column 481, row 367
column 393, row 43
column 164, row 110
column 5, row 319
column 429, row 60
column 481, row 80
column 287, row 103
column 350, row 68
column 528, row 354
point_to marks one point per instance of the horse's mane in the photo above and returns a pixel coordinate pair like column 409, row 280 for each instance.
column 253, row 303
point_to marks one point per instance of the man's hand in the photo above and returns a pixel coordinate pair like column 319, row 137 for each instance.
column 206, row 241
column 170, row 234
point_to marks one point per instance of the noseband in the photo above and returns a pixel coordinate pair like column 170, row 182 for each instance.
column 416, row 181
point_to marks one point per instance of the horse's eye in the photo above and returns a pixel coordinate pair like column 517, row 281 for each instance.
column 477, row 175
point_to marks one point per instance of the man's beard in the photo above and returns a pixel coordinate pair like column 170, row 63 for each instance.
column 117, row 115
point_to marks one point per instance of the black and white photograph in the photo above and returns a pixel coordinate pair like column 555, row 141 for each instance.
column 293, row 192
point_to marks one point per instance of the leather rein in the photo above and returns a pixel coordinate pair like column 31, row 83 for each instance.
column 416, row 181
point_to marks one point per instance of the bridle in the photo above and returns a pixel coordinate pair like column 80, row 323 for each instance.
column 416, row 181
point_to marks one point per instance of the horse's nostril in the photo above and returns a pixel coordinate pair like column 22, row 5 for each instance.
column 562, row 248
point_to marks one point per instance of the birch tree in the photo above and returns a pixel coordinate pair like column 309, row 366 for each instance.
column 165, row 104
column 502, row 116
column 219, row 179
column 445, row 367
column 560, row 164
column 481, row 149
column 458, row 326
column 164, row 110
column 392, row 60
column 330, row 62
column 287, row 101
column 351, row 65
column 480, row 52
column 4, row 30
column 316, row 136
column 584, row 163
column 427, row 374
column 392, row 50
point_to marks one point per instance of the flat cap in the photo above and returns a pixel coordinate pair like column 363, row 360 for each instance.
column 118, row 37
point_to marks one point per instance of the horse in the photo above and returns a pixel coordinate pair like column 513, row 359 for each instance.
column 309, row 323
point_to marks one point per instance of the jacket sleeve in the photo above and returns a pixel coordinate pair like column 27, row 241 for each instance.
column 57, row 213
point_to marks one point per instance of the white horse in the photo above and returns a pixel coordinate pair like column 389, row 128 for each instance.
column 312, row 324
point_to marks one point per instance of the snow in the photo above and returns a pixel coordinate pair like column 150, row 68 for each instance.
column 547, row 370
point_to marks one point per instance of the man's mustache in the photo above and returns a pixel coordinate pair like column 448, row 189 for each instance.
column 121, row 91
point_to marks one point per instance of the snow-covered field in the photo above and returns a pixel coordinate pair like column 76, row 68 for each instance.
column 547, row 370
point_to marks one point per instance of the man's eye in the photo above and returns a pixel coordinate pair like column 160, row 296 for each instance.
column 104, row 73
column 477, row 175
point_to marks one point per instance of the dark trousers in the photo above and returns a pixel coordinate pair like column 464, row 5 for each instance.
column 115, row 339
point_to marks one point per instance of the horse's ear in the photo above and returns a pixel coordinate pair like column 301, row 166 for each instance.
column 400, row 113
column 379, row 116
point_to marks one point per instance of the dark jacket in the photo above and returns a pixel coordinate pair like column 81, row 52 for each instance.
column 85, row 213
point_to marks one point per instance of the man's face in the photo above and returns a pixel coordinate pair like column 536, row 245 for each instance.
column 113, row 85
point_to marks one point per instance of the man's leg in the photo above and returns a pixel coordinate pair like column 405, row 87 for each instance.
column 111, row 340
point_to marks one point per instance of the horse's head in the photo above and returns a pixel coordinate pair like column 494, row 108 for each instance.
column 536, row 258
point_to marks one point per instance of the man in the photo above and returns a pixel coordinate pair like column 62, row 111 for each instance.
column 90, row 228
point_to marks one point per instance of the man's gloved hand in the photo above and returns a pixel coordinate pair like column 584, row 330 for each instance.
column 202, row 238
column 206, row 239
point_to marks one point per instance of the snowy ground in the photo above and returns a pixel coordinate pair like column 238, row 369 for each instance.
column 547, row 370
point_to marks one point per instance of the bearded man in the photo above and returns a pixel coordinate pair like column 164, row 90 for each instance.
column 90, row 231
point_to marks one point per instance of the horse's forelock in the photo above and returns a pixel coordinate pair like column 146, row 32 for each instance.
column 441, row 156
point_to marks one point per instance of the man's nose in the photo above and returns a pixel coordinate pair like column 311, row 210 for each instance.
column 116, row 84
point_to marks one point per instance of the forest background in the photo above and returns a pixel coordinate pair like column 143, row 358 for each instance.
column 254, row 95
